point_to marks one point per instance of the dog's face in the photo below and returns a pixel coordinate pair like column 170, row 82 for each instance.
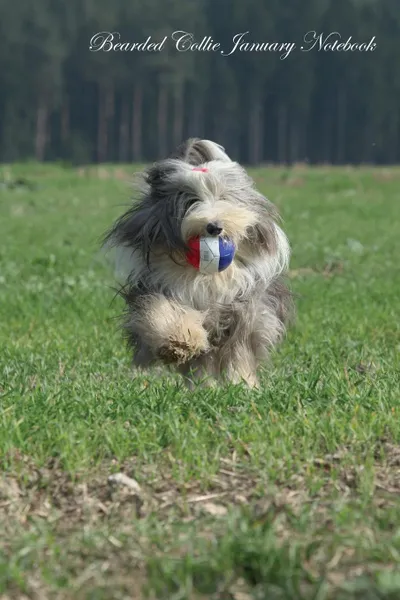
column 217, row 208
column 218, row 198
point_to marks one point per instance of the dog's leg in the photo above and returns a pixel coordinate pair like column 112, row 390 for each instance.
column 236, row 374
column 174, row 333
column 199, row 372
column 242, row 360
column 240, row 367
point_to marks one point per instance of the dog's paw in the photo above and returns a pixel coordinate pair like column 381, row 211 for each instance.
column 181, row 350
column 175, row 352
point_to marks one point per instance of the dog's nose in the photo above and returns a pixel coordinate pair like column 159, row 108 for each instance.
column 214, row 228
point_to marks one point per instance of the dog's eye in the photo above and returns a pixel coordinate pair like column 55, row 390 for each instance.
column 190, row 202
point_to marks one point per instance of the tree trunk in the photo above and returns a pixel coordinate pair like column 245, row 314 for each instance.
column 394, row 138
column 106, row 113
column 110, row 115
column 124, row 131
column 255, row 130
column 177, row 133
column 218, row 124
column 137, row 104
column 369, row 148
column 162, row 116
column 196, row 126
column 42, row 115
column 397, row 144
column 64, row 133
column 341, row 126
column 303, row 138
column 326, row 132
column 282, row 133
column 101, row 128
column 294, row 141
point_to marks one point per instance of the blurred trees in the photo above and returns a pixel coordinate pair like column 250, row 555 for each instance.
column 59, row 100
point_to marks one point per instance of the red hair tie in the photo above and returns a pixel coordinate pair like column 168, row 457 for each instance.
column 201, row 169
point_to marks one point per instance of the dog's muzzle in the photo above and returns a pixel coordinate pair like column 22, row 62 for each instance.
column 214, row 228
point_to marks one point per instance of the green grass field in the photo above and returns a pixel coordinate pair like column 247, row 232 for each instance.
column 291, row 492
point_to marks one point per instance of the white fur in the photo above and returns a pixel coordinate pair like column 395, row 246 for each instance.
column 199, row 290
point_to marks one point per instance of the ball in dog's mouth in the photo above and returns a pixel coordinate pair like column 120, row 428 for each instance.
column 209, row 254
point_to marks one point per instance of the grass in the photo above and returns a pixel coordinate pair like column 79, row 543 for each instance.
column 291, row 492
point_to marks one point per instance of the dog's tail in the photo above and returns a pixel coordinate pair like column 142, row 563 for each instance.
column 196, row 152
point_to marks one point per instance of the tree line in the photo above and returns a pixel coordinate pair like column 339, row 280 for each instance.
column 62, row 100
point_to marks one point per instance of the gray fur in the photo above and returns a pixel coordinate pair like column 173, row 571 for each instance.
column 196, row 152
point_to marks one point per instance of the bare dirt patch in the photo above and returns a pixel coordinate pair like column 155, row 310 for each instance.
column 71, row 504
column 104, row 173
column 50, row 490
column 327, row 270
column 382, row 175
column 140, row 491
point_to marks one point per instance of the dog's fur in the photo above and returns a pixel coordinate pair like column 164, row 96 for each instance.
column 220, row 326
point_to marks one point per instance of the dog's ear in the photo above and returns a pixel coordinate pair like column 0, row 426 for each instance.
column 263, row 235
column 138, row 228
column 197, row 152
column 129, row 229
column 157, row 177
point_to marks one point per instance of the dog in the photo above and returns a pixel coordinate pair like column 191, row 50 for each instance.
column 210, row 327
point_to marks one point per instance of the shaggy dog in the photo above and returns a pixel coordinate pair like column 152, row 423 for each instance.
column 209, row 326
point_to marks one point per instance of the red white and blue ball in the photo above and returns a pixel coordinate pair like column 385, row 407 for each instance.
column 210, row 254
